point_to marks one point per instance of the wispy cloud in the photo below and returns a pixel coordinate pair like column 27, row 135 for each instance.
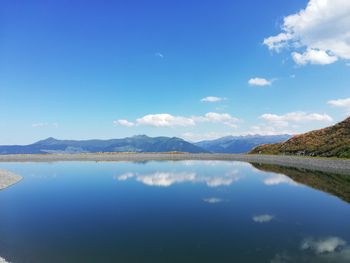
column 168, row 120
column 212, row 99
column 160, row 55
column 259, row 82
column 340, row 103
column 165, row 120
column 125, row 123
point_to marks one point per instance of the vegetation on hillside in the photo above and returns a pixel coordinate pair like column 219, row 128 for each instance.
column 332, row 141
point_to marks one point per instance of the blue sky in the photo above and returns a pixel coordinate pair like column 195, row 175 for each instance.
column 110, row 69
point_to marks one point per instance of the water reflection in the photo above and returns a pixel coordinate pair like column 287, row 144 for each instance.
column 213, row 200
column 189, row 211
column 335, row 184
column 318, row 250
column 166, row 179
column 277, row 179
column 265, row 218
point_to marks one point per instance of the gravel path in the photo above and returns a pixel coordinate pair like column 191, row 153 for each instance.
column 340, row 166
column 7, row 179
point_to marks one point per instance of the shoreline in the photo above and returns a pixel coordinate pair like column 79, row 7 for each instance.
column 8, row 179
column 339, row 166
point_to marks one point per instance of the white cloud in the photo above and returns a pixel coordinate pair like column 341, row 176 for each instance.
column 313, row 56
column 322, row 29
column 212, row 99
column 340, row 103
column 168, row 120
column 259, row 82
column 165, row 120
column 265, row 218
column 326, row 245
column 294, row 117
column 125, row 123
column 212, row 200
column 278, row 42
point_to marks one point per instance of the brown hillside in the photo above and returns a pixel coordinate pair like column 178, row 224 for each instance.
column 332, row 141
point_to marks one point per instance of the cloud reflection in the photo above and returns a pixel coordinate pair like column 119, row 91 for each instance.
column 265, row 218
column 277, row 179
column 330, row 249
column 166, row 179
column 326, row 245
column 2, row 260
column 212, row 200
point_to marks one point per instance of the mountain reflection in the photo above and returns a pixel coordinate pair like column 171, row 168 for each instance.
column 335, row 184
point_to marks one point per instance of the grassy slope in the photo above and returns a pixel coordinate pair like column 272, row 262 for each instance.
column 332, row 141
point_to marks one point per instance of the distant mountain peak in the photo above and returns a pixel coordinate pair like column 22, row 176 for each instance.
column 47, row 140
column 140, row 136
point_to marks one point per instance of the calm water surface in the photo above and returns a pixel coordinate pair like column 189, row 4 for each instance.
column 188, row 211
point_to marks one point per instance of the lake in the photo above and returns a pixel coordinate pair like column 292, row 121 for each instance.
column 173, row 211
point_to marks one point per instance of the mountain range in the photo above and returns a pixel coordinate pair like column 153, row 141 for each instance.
column 240, row 144
column 143, row 143
column 333, row 141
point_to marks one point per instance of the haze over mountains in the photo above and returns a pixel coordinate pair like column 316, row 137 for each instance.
column 240, row 144
column 143, row 143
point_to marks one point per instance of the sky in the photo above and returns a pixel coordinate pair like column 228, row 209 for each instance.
column 187, row 68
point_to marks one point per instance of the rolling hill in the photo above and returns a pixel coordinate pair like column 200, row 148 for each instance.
column 140, row 143
column 332, row 141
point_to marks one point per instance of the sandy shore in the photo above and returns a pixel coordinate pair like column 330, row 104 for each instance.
column 7, row 179
column 339, row 166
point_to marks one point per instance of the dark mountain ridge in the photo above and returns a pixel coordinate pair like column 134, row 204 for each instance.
column 139, row 143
